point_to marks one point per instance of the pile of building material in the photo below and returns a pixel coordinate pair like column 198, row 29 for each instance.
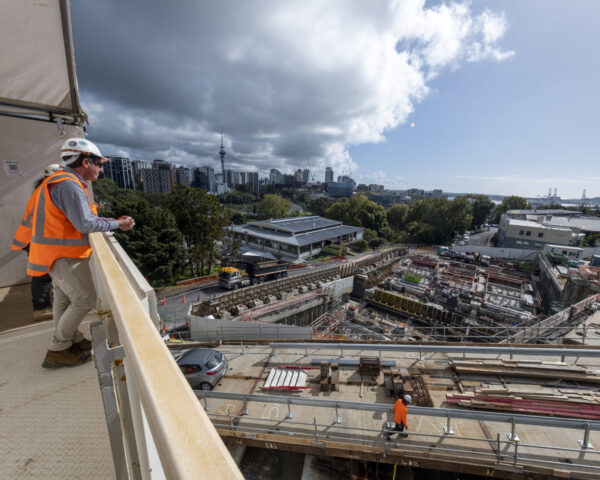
column 531, row 399
column 526, row 368
column 286, row 379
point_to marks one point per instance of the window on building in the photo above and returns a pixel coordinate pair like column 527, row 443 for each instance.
column 521, row 232
column 528, row 233
column 540, row 235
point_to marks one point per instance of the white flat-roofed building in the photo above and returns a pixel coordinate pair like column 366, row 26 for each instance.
column 295, row 239
column 574, row 220
column 515, row 233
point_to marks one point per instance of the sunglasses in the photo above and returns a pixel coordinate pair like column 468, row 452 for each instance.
column 96, row 161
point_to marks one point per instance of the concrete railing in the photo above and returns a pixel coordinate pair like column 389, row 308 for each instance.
column 173, row 436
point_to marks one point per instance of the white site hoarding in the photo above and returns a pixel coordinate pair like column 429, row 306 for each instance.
column 39, row 109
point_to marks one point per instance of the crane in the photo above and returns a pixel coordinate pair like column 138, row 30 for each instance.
column 312, row 177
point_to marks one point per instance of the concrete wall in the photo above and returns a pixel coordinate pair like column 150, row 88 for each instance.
column 340, row 287
column 516, row 253
column 207, row 329
column 495, row 252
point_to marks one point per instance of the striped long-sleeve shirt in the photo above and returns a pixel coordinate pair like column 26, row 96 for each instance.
column 72, row 200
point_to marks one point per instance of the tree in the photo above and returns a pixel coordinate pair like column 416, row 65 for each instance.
column 396, row 216
column 510, row 203
column 319, row 206
column 434, row 220
column 201, row 219
column 273, row 206
column 155, row 245
column 358, row 211
column 482, row 207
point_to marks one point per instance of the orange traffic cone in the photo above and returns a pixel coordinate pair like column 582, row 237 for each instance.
column 183, row 301
column 187, row 324
column 164, row 302
column 164, row 329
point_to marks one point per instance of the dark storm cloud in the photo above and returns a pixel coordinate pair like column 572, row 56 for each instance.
column 286, row 82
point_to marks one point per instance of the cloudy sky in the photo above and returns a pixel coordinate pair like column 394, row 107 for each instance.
column 487, row 96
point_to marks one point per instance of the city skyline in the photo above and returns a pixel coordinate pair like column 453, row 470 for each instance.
column 484, row 97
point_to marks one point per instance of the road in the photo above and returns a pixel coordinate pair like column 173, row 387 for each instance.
column 482, row 239
column 176, row 309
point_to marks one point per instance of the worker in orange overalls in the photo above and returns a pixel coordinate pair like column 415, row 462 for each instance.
column 400, row 413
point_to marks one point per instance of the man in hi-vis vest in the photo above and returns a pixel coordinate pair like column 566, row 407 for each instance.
column 57, row 220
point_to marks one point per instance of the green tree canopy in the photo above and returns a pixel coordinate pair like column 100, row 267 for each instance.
column 319, row 206
column 434, row 220
column 273, row 206
column 201, row 219
column 482, row 207
column 510, row 203
column 358, row 211
column 396, row 216
column 155, row 245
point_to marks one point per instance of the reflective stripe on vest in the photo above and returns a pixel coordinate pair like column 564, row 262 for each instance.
column 38, row 231
column 44, row 250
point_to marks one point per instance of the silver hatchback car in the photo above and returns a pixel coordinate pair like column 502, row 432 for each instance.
column 203, row 368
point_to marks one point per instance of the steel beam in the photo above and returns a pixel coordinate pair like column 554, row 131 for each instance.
column 551, row 422
column 529, row 351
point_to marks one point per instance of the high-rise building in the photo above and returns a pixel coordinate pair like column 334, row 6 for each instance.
column 120, row 171
column 162, row 164
column 204, row 177
column 157, row 180
column 137, row 166
column 275, row 177
column 199, row 179
column 306, row 175
column 345, row 179
column 228, row 178
column 328, row 175
column 252, row 180
column 289, row 180
column 298, row 177
column 183, row 176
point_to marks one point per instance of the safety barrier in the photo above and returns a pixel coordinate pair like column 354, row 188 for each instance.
column 155, row 423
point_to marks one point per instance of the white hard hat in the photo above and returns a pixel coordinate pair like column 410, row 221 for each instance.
column 77, row 146
column 407, row 398
column 50, row 169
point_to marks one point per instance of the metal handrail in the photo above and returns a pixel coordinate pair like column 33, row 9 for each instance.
column 549, row 351
column 553, row 422
column 187, row 443
column 512, row 453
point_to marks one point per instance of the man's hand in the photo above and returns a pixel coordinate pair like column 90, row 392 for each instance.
column 125, row 222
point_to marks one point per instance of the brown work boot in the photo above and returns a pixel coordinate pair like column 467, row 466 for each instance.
column 43, row 314
column 84, row 345
column 71, row 357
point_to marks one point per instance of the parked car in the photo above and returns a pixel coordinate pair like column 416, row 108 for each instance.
column 203, row 367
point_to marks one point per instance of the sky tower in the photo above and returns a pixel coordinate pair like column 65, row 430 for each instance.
column 222, row 155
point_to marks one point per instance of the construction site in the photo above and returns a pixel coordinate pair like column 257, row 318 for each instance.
column 397, row 295
column 352, row 337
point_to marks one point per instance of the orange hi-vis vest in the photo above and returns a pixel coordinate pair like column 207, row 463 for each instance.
column 400, row 412
column 48, row 232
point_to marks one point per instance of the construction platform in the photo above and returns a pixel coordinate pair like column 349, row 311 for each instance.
column 52, row 421
column 350, row 419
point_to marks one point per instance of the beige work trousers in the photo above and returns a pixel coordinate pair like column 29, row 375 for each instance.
column 74, row 297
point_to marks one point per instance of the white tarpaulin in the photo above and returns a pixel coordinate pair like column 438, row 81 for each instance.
column 36, row 56
column 37, row 87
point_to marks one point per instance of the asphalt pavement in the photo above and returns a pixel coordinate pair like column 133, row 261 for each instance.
column 482, row 239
